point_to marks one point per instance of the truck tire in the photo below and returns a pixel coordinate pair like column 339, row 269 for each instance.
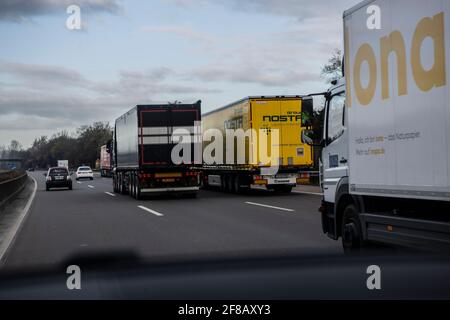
column 137, row 188
column 131, row 186
column 122, row 187
column 237, row 184
column 223, row 182
column 230, row 183
column 352, row 240
column 115, row 189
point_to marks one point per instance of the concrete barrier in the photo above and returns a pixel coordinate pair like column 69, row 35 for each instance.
column 11, row 183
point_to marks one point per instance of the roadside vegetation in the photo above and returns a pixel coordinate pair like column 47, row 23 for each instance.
column 80, row 148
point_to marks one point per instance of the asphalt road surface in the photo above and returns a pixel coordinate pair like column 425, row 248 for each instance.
column 90, row 219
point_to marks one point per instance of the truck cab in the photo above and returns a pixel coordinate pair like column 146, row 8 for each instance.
column 334, row 164
column 335, row 143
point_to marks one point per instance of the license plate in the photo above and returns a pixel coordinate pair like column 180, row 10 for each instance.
column 59, row 178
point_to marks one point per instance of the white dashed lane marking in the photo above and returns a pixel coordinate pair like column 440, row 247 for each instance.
column 268, row 206
column 151, row 211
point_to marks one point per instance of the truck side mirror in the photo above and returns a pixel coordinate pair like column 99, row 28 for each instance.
column 109, row 146
column 309, row 138
column 307, row 111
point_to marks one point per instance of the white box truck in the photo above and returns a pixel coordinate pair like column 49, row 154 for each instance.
column 385, row 168
column 63, row 163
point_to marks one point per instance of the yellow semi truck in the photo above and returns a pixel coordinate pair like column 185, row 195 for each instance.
column 271, row 127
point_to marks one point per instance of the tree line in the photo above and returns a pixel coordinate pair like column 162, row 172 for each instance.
column 81, row 148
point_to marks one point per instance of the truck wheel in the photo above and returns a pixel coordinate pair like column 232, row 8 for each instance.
column 223, row 182
column 230, row 182
column 131, row 186
column 237, row 184
column 137, row 189
column 122, row 187
column 352, row 240
column 115, row 185
column 203, row 183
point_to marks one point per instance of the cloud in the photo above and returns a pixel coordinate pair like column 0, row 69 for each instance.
column 22, row 10
column 182, row 31
column 255, row 75
column 298, row 9
column 23, row 122
column 28, row 94
column 279, row 59
column 33, row 74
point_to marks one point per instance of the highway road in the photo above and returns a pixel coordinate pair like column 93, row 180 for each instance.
column 90, row 219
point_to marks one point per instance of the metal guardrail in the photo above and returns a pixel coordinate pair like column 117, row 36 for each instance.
column 11, row 183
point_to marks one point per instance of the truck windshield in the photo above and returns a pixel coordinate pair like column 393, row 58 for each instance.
column 336, row 109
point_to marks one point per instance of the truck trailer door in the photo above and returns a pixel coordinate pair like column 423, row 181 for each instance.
column 295, row 153
column 266, row 118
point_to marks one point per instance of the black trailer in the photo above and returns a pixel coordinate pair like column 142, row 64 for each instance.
column 145, row 139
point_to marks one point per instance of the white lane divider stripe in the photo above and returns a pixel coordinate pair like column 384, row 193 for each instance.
column 110, row 194
column 151, row 211
column 79, row 182
column 267, row 206
column 92, row 187
column 310, row 193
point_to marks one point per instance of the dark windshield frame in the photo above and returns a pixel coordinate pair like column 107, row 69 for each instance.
column 58, row 171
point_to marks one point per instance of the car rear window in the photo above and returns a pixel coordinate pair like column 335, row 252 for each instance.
column 84, row 169
column 58, row 171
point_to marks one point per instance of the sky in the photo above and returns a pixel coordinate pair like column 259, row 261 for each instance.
column 152, row 51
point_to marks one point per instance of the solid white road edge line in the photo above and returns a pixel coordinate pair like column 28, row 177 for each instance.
column 11, row 235
column 267, row 206
column 294, row 191
column 310, row 193
column 110, row 194
column 151, row 211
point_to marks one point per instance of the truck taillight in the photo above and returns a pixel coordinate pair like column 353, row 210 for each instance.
column 260, row 181
column 143, row 176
